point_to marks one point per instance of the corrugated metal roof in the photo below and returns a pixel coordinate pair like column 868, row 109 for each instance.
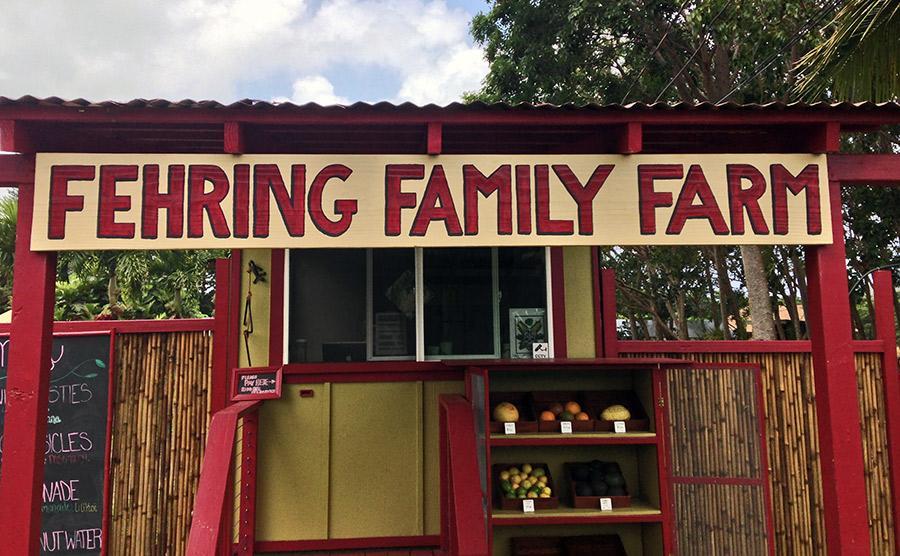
column 252, row 104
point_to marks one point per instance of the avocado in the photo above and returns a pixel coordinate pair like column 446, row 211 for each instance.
column 581, row 472
column 600, row 488
column 566, row 416
column 615, row 480
column 597, row 464
column 616, row 491
column 583, row 489
column 611, row 467
column 597, row 475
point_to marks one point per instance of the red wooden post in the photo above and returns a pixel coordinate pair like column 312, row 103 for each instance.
column 558, row 302
column 837, row 407
column 435, row 138
column 27, row 389
column 631, row 140
column 608, row 307
column 247, row 520
column 886, row 331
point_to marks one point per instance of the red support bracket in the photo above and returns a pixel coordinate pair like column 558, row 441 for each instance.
column 234, row 138
column 837, row 406
column 15, row 138
column 827, row 139
column 865, row 169
column 886, row 331
column 27, row 389
column 435, row 138
column 631, row 138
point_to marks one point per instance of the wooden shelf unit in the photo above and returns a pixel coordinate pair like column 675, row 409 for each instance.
column 645, row 526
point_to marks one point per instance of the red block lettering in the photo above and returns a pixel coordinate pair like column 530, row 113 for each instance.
column 267, row 177
column 172, row 202
column 545, row 225
column 108, row 203
column 200, row 201
column 344, row 207
column 740, row 199
column 500, row 182
column 648, row 198
column 60, row 200
column 240, row 201
column 584, row 194
column 394, row 198
column 782, row 182
column 695, row 185
column 437, row 204
column 523, row 199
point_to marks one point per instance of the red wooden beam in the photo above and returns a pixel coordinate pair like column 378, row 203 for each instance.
column 864, row 169
column 210, row 503
column 735, row 346
column 247, row 516
column 27, row 390
column 435, row 137
column 608, row 304
column 885, row 329
column 465, row 533
column 16, row 169
column 837, row 406
column 423, row 115
column 234, row 138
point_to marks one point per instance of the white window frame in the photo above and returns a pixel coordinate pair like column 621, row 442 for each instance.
column 420, row 355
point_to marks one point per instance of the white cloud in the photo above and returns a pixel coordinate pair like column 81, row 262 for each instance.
column 215, row 48
column 461, row 71
column 315, row 88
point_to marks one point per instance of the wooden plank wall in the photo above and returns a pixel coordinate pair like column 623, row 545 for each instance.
column 158, row 434
column 792, row 440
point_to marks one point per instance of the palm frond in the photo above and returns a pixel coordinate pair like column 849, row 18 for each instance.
column 861, row 58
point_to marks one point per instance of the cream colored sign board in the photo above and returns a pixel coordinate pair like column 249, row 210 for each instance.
column 124, row 201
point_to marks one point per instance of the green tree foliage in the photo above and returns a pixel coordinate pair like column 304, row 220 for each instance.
column 117, row 284
column 861, row 57
column 578, row 51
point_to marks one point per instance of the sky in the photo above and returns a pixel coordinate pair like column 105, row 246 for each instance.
column 325, row 51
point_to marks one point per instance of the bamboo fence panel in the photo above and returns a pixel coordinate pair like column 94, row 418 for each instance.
column 793, row 447
column 731, row 520
column 159, row 429
column 870, row 382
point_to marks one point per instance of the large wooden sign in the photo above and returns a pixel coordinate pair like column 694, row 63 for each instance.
column 122, row 201
column 76, row 448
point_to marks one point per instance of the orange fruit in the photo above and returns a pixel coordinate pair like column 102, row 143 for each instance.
column 582, row 416
column 547, row 416
column 573, row 408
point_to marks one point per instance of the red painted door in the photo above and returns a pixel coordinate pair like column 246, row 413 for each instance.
column 718, row 469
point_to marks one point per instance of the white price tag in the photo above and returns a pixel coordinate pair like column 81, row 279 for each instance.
column 619, row 426
column 606, row 504
column 565, row 427
column 528, row 505
column 540, row 350
column 509, row 428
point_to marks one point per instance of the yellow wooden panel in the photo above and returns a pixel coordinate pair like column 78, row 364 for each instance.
column 259, row 340
column 292, row 497
column 579, row 287
column 431, row 428
column 376, row 460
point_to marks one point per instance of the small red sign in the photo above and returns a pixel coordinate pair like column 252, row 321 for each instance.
column 256, row 383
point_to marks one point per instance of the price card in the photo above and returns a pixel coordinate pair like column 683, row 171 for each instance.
column 528, row 505
column 565, row 427
column 509, row 428
column 619, row 426
column 606, row 504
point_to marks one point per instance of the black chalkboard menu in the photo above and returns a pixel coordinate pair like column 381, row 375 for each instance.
column 76, row 450
column 256, row 383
